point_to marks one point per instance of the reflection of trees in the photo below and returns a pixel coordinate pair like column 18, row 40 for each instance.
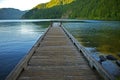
column 105, row 38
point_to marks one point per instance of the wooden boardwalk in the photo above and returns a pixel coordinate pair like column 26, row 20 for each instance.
column 56, row 58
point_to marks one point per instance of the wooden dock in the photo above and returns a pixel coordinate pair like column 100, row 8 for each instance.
column 54, row 57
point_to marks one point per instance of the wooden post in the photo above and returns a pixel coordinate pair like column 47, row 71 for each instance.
column 51, row 23
column 60, row 24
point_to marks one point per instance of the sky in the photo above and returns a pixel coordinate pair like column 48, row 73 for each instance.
column 21, row 4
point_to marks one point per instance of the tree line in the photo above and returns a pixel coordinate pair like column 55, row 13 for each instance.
column 77, row 9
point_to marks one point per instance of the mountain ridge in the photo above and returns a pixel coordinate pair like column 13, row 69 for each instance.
column 11, row 13
column 77, row 9
column 53, row 3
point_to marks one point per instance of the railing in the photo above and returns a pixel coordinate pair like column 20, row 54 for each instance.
column 23, row 63
column 92, row 62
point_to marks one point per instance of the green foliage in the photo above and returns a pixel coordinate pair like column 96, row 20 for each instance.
column 48, row 13
column 53, row 3
column 52, row 9
column 80, row 9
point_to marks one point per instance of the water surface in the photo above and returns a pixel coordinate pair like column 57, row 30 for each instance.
column 100, row 38
column 18, row 36
column 16, row 39
column 103, row 36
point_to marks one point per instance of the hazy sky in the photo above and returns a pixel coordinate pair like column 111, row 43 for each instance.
column 20, row 4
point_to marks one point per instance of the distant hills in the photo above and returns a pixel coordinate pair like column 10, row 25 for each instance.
column 76, row 9
column 52, row 9
column 10, row 13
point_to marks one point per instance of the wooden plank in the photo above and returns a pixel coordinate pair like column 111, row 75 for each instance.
column 23, row 63
column 92, row 62
column 55, row 58
column 55, row 48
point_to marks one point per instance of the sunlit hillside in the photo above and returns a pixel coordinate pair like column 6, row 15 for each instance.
column 53, row 3
column 80, row 9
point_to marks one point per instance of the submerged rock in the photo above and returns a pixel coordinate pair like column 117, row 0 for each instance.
column 111, row 67
column 118, row 62
column 111, row 57
column 102, row 58
column 91, row 49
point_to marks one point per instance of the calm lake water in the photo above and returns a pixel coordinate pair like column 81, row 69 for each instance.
column 16, row 39
column 101, row 36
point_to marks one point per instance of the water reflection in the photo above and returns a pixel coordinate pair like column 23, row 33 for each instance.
column 27, row 28
column 16, row 39
column 101, row 39
column 104, row 36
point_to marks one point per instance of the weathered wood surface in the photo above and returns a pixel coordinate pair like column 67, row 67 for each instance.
column 92, row 62
column 56, row 58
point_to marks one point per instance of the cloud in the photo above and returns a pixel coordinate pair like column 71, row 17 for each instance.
column 20, row 4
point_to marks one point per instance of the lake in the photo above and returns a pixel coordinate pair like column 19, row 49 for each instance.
column 101, row 36
column 17, row 37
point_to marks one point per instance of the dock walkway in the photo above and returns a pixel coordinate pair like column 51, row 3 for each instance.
column 56, row 58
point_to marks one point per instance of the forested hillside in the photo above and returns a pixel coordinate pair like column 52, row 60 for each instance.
column 77, row 9
column 10, row 13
